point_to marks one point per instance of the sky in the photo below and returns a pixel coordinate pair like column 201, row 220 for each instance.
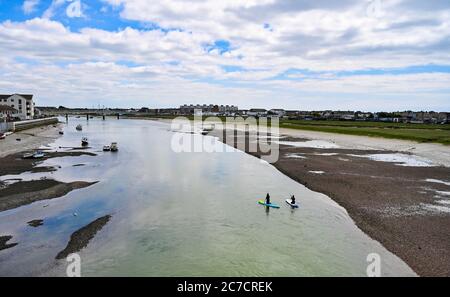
column 372, row 55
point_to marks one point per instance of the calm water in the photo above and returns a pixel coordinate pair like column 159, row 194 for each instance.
column 182, row 214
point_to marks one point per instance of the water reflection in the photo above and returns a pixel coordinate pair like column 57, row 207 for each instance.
column 182, row 214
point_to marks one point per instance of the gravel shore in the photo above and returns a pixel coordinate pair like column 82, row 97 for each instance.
column 29, row 139
column 399, row 206
column 81, row 238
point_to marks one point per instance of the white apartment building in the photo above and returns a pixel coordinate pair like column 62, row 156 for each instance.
column 23, row 103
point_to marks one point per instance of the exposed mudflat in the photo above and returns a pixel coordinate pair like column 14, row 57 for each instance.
column 15, row 164
column 81, row 238
column 4, row 242
column 26, row 192
column 397, row 198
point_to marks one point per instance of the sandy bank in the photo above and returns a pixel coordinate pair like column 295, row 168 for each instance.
column 438, row 153
column 3, row 242
column 396, row 205
column 26, row 192
column 29, row 139
column 15, row 164
column 81, row 238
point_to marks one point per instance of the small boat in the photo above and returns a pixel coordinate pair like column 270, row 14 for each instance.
column 79, row 128
column 114, row 147
column 38, row 155
column 262, row 202
column 106, row 148
column 84, row 141
column 27, row 155
column 2, row 136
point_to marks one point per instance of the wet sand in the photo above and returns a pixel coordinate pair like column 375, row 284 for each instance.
column 81, row 238
column 20, row 193
column 26, row 192
column 35, row 223
column 3, row 242
column 15, row 164
column 393, row 204
column 29, row 139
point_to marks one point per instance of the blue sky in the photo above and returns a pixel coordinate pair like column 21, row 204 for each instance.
column 269, row 53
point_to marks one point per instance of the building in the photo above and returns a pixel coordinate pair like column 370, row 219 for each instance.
column 210, row 109
column 7, row 112
column 277, row 112
column 23, row 103
column 257, row 112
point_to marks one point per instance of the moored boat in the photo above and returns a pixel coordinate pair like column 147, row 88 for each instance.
column 84, row 141
column 114, row 147
column 79, row 127
column 38, row 155
column 106, row 148
column 27, row 155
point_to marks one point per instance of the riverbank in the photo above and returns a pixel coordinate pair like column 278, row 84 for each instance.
column 29, row 139
column 16, row 192
column 417, row 133
column 26, row 192
column 396, row 197
column 81, row 238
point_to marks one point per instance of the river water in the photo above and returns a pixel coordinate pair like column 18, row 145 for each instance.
column 182, row 214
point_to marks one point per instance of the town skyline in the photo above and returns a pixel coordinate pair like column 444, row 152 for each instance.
column 367, row 55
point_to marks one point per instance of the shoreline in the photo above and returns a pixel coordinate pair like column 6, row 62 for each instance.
column 30, row 139
column 21, row 193
column 394, row 205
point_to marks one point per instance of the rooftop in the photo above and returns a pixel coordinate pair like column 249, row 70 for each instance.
column 25, row 96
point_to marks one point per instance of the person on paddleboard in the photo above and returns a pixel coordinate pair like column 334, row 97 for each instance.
column 267, row 198
column 293, row 199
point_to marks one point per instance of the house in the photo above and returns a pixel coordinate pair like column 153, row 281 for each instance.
column 208, row 109
column 277, row 112
column 444, row 117
column 23, row 103
column 7, row 112
column 257, row 112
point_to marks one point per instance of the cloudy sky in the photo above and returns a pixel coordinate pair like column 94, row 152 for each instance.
column 293, row 54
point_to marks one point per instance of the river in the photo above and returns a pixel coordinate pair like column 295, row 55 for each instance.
column 182, row 214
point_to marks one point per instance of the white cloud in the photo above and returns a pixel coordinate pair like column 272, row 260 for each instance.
column 29, row 6
column 267, row 37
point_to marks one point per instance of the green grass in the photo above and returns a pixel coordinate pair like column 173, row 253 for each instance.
column 367, row 124
column 421, row 133
column 415, row 132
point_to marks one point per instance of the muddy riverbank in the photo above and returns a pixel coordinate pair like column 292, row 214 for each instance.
column 26, row 192
column 81, row 238
column 402, row 205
